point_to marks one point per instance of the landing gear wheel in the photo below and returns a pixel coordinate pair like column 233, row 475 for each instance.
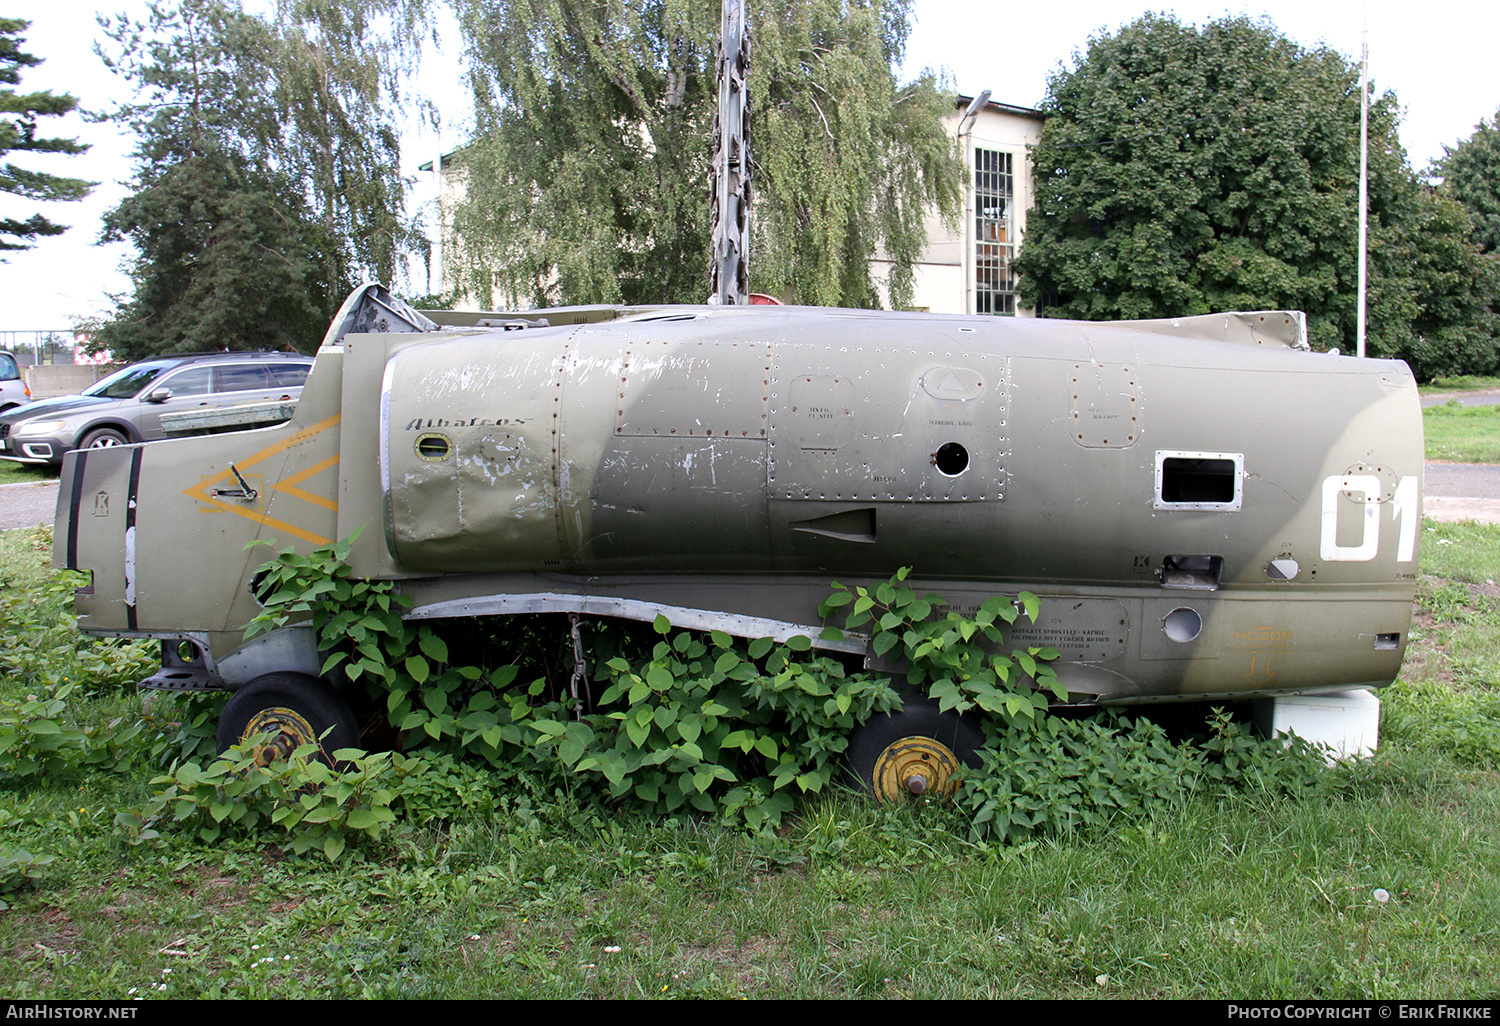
column 104, row 438
column 912, row 753
column 296, row 709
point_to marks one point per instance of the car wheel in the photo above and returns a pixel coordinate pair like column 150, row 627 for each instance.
column 913, row 753
column 104, row 438
column 295, row 710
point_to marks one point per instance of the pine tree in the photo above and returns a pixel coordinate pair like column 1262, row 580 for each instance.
column 18, row 133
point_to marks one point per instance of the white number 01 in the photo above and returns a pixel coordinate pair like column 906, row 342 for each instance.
column 1403, row 507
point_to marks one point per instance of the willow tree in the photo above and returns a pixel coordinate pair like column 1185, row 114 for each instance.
column 266, row 167
column 587, row 179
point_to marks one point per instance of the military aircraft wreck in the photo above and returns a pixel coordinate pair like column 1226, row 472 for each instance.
column 1206, row 509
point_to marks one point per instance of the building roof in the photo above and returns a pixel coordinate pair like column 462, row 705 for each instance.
column 446, row 158
column 962, row 102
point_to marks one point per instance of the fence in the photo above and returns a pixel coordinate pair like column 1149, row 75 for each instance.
column 38, row 348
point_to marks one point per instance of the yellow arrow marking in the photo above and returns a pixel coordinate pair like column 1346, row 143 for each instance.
column 201, row 493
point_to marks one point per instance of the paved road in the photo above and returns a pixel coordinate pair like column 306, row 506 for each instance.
column 1462, row 491
column 1487, row 397
column 1455, row 491
column 1476, row 480
column 27, row 505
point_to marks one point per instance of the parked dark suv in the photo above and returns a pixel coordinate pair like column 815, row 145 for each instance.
column 127, row 406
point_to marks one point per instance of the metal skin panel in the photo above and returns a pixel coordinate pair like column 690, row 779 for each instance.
column 679, row 485
column 856, row 424
column 469, row 454
column 1106, row 405
column 579, row 472
column 682, row 388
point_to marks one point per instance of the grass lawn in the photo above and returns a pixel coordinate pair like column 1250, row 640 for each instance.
column 12, row 472
column 1462, row 434
column 1464, row 383
column 1384, row 884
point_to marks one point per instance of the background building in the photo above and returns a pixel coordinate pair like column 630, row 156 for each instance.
column 969, row 271
column 965, row 269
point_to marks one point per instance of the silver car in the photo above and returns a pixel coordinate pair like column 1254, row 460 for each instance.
column 127, row 406
column 13, row 388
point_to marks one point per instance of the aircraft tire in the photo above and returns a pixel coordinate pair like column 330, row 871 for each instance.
column 296, row 709
column 912, row 753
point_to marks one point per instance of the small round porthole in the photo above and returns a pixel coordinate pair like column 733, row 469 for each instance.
column 432, row 447
column 1182, row 624
column 951, row 459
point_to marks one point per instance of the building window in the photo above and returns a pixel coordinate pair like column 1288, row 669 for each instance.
column 994, row 234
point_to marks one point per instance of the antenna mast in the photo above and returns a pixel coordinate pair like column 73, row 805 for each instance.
column 731, row 166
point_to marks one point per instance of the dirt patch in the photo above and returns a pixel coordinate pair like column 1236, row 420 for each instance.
column 748, row 964
column 1426, row 655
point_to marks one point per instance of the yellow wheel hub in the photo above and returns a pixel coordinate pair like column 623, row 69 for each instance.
column 290, row 731
column 915, row 767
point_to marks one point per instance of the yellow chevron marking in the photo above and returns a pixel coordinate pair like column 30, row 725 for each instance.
column 201, row 491
column 288, row 485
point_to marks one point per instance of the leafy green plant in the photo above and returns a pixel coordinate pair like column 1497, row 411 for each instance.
column 719, row 725
column 402, row 665
column 320, row 808
column 19, row 869
column 39, row 647
column 358, row 621
column 182, row 726
column 1089, row 774
column 35, row 737
column 1235, row 756
column 710, row 724
column 40, row 737
column 707, row 722
column 952, row 656
column 430, row 787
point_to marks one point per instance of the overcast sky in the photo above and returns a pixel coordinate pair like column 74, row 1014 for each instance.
column 1436, row 57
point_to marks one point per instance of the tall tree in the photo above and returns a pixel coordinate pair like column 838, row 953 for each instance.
column 1185, row 170
column 267, row 164
column 1471, row 172
column 587, row 179
column 851, row 159
column 18, row 132
column 226, row 256
column 1432, row 304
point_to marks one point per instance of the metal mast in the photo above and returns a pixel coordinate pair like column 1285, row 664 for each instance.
column 1364, row 187
column 731, row 164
